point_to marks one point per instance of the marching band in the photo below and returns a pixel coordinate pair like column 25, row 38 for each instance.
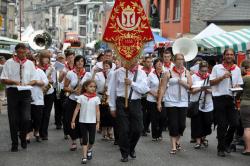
column 159, row 93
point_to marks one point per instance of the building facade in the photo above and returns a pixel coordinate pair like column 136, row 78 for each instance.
column 7, row 16
column 177, row 17
column 92, row 18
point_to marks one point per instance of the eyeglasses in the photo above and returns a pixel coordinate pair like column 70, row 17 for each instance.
column 229, row 54
column 180, row 59
column 203, row 71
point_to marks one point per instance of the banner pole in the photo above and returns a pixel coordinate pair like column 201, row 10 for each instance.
column 126, row 91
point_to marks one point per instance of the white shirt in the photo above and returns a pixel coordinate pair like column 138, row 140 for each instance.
column 11, row 71
column 171, row 97
column 117, row 86
column 72, row 77
column 101, row 82
column 88, row 109
column 194, row 97
column 100, row 66
column 36, row 91
column 223, row 87
column 153, row 84
column 166, row 69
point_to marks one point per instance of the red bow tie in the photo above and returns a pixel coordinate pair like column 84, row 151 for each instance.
column 203, row 77
column 147, row 70
column 134, row 69
column 229, row 67
column 178, row 71
column 21, row 62
column 89, row 95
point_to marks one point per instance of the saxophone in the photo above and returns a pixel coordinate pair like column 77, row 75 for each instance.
column 46, row 88
column 104, row 99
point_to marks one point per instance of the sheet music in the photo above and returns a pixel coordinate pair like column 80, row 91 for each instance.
column 21, row 88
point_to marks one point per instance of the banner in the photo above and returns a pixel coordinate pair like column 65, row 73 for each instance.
column 128, row 29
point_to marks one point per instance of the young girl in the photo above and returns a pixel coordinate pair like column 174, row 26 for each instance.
column 89, row 118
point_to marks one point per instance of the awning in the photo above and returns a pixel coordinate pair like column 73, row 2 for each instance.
column 238, row 40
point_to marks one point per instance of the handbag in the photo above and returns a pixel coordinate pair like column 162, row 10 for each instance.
column 193, row 106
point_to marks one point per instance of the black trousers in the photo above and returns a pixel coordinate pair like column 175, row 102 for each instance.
column 176, row 120
column 116, row 129
column 87, row 133
column 48, row 103
column 227, row 120
column 69, row 107
column 58, row 110
column 146, row 114
column 18, row 113
column 36, row 117
column 130, row 124
column 157, row 119
column 201, row 124
column 63, row 99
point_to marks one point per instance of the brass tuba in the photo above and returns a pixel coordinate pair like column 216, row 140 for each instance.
column 40, row 40
column 187, row 47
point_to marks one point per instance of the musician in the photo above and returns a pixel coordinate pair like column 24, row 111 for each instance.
column 37, row 103
column 69, row 66
column 102, row 81
column 176, row 99
column 49, row 70
column 18, row 71
column 223, row 77
column 202, row 122
column 147, row 68
column 129, row 119
column 58, row 86
column 72, row 85
column 167, row 56
column 157, row 117
column 108, row 56
column 245, row 106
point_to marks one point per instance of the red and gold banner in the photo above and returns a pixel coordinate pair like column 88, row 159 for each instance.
column 128, row 29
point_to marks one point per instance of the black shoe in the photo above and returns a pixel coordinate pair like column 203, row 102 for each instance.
column 58, row 127
column 147, row 131
column 14, row 149
column 233, row 148
column 44, row 138
column 115, row 142
column 66, row 137
column 24, row 144
column 89, row 154
column 132, row 154
column 228, row 149
column 84, row 161
column 28, row 141
column 124, row 159
column 144, row 134
column 245, row 153
column 221, row 154
column 38, row 139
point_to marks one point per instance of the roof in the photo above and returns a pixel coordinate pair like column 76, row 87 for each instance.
column 238, row 40
column 236, row 12
column 210, row 30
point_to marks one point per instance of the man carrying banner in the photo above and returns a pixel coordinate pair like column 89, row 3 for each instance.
column 128, row 29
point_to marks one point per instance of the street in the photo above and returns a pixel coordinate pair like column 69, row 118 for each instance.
column 55, row 152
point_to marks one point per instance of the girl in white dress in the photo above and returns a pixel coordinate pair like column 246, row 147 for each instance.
column 89, row 117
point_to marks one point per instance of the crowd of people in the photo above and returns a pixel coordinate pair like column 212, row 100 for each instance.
column 158, row 92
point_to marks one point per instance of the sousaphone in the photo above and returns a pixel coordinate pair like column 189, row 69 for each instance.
column 187, row 47
column 40, row 40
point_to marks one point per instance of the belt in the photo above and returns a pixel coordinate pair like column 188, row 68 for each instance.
column 123, row 98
